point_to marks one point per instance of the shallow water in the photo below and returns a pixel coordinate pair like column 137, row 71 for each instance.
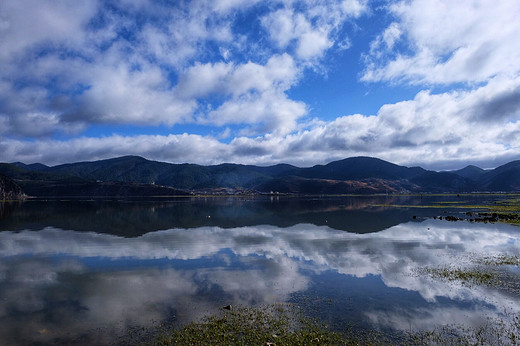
column 89, row 271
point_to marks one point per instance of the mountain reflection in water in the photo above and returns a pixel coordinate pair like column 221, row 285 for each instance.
column 360, row 214
column 68, row 276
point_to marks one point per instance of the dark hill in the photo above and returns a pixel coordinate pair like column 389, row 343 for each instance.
column 134, row 175
column 65, row 183
column 87, row 189
column 37, row 167
column 504, row 178
column 356, row 168
column 470, row 172
column 296, row 185
column 440, row 182
column 181, row 176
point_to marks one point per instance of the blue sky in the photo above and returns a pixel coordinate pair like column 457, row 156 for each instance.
column 417, row 82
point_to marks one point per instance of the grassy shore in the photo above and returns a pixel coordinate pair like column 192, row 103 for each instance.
column 284, row 325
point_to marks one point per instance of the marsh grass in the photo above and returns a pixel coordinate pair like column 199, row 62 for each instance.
column 495, row 332
column 285, row 325
column 467, row 276
column 277, row 324
column 491, row 271
column 505, row 209
column 500, row 260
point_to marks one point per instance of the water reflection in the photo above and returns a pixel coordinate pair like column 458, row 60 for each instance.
column 58, row 283
column 361, row 214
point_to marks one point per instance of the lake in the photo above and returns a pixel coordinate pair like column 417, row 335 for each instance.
column 92, row 271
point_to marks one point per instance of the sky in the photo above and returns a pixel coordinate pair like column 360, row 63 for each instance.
column 431, row 83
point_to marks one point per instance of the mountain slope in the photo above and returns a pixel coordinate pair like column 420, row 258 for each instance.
column 503, row 178
column 358, row 175
column 356, row 168
column 37, row 167
column 295, row 185
column 439, row 182
column 60, row 184
column 470, row 172
column 181, row 176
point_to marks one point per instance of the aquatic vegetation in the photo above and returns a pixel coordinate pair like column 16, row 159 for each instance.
column 482, row 270
column 505, row 209
column 500, row 260
column 277, row 324
column 465, row 276
column 495, row 332
column 285, row 325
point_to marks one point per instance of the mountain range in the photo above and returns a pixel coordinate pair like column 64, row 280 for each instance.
column 137, row 176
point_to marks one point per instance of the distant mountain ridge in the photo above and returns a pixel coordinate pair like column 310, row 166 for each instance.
column 471, row 172
column 136, row 175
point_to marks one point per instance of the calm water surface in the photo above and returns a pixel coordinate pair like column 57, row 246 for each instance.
column 88, row 271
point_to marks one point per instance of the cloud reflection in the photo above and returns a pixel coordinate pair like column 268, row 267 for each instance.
column 92, row 281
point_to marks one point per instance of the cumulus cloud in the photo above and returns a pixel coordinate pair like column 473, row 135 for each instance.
column 99, row 65
column 285, row 26
column 232, row 65
column 25, row 24
column 442, row 43
column 433, row 130
column 386, row 40
column 122, row 96
column 312, row 30
column 83, row 69
column 177, row 148
column 252, row 93
column 273, row 111
column 96, row 64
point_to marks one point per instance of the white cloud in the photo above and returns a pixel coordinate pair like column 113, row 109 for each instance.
column 280, row 26
column 109, row 76
column 430, row 130
column 184, row 30
column 386, row 40
column 172, row 148
column 190, row 63
column 101, row 73
column 201, row 80
column 312, row 44
column 252, row 94
column 279, row 74
column 354, row 8
column 448, row 42
column 24, row 24
column 228, row 5
column 312, row 28
column 270, row 112
column 433, row 130
column 120, row 95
